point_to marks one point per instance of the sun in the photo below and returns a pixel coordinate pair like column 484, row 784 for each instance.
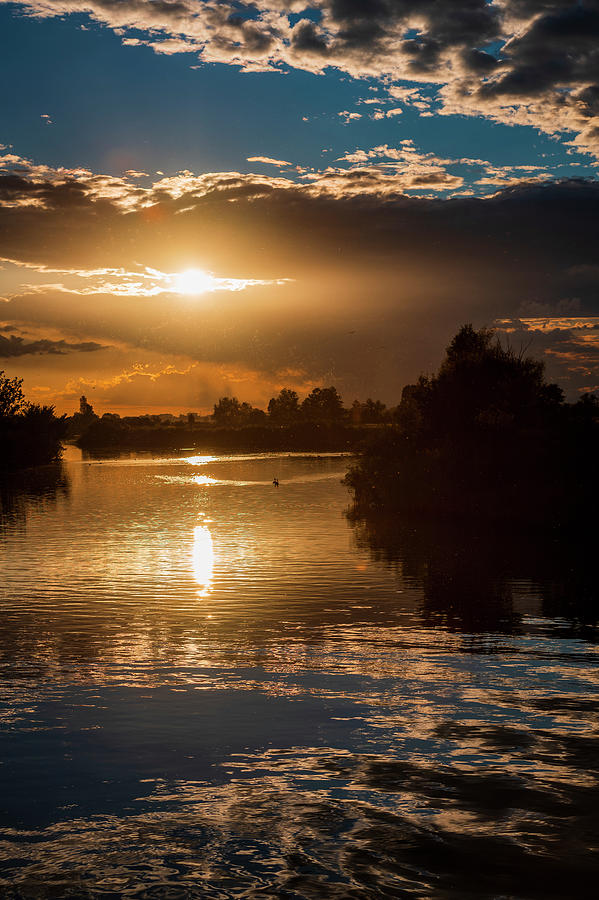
column 193, row 281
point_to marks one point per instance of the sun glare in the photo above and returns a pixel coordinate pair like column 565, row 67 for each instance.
column 203, row 559
column 193, row 281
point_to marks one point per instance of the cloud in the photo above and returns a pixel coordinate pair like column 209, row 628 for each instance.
column 268, row 161
column 513, row 61
column 17, row 346
column 24, row 183
column 348, row 116
column 143, row 282
column 382, row 180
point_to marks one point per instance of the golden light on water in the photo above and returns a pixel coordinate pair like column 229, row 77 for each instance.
column 204, row 479
column 203, row 559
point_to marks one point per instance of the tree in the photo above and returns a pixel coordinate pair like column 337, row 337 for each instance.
column 284, row 409
column 323, row 405
column 372, row 412
column 375, row 412
column 229, row 411
column 485, row 435
column 12, row 399
column 30, row 435
column 256, row 416
column 85, row 409
column 226, row 410
column 480, row 386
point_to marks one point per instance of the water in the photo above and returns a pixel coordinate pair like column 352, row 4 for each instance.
column 211, row 687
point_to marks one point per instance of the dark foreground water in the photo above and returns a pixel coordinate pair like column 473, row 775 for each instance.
column 214, row 688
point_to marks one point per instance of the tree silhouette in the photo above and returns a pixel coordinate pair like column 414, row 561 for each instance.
column 226, row 410
column 284, row 409
column 486, row 435
column 371, row 412
column 30, row 434
column 323, row 405
column 12, row 399
column 230, row 411
column 85, row 408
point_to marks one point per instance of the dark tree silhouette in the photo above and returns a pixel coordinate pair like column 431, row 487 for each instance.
column 371, row 412
column 229, row 411
column 85, row 408
column 12, row 399
column 323, row 405
column 82, row 420
column 226, row 410
column 486, row 435
column 284, row 409
column 30, row 434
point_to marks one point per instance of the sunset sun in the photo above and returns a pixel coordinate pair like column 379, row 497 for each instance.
column 193, row 281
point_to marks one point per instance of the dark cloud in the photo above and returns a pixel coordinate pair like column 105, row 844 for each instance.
column 269, row 226
column 559, row 49
column 309, row 38
column 19, row 190
column 17, row 346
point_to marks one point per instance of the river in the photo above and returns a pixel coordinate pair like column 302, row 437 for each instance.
column 214, row 687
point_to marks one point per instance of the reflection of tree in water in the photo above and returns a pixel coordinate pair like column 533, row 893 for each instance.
column 27, row 489
column 469, row 574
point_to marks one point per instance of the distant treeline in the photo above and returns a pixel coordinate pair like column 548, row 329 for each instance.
column 320, row 422
column 30, row 435
column 487, row 436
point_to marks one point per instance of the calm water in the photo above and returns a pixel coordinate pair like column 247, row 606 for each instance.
column 214, row 688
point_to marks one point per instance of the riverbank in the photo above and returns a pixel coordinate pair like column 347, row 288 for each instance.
column 305, row 436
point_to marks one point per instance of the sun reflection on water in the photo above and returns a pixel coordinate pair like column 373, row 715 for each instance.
column 203, row 559
column 204, row 479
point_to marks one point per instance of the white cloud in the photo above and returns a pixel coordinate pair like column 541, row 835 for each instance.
column 269, row 161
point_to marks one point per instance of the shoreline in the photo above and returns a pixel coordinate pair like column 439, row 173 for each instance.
column 304, row 437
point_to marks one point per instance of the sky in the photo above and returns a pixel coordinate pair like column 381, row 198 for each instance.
column 205, row 198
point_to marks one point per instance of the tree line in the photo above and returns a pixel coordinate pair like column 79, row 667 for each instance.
column 322, row 405
column 319, row 422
